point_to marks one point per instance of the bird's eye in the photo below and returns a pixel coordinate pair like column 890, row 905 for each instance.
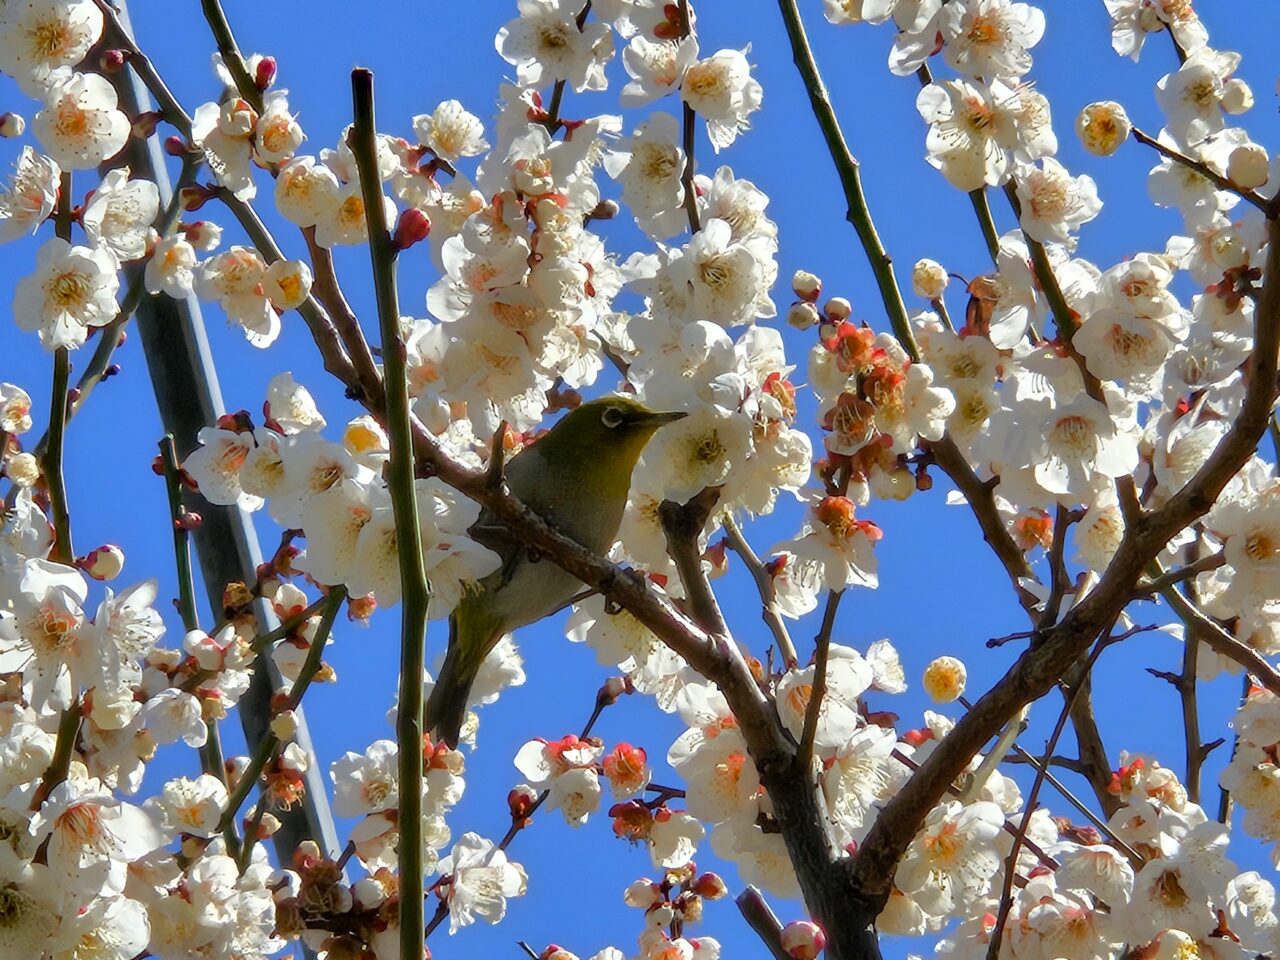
column 612, row 417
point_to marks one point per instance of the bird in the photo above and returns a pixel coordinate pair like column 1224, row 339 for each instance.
column 576, row 477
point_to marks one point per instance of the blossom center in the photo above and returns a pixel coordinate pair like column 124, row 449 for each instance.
column 69, row 290
column 1074, row 435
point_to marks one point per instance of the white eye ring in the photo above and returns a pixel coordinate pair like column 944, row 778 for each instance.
column 612, row 417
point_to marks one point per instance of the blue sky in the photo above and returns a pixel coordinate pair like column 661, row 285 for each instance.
column 942, row 591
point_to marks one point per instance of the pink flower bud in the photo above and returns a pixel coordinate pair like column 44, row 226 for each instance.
column 803, row 940
column 12, row 124
column 189, row 521
column 265, row 74
column 176, row 146
column 413, row 227
column 104, row 563
column 613, row 688
column 111, row 60
column 520, row 801
column 194, row 197
column 710, row 886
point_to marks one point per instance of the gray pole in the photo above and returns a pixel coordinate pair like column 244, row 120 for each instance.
column 187, row 394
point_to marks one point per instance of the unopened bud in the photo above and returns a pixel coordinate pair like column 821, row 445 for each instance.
column 807, row 286
column 412, row 227
column 710, row 886
column 264, row 75
column 689, row 906
column 1102, row 127
column 368, row 893
column 12, row 124
column 285, row 726
column 189, row 521
column 23, row 469
column 104, row 563
column 192, row 847
column 929, row 279
column 204, row 235
column 520, row 801
column 838, row 309
column 611, row 690
column 1249, row 166
column 803, row 940
column 268, row 826
column 1237, row 98
column 111, row 60
column 803, row 315
column 360, row 609
column 176, row 147
column 604, row 210
column 194, row 197
column 944, row 679
column 144, row 124
column 642, row 894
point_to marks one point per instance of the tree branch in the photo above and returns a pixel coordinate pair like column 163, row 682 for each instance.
column 760, row 918
column 683, row 525
column 764, row 584
column 415, row 591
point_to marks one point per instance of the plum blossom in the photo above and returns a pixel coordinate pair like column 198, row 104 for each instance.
column 480, row 881
column 73, row 288
column 79, row 124
column 721, row 90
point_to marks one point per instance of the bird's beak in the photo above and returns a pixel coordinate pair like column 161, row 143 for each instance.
column 657, row 420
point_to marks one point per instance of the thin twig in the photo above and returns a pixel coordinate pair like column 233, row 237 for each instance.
column 1042, row 771
column 1203, row 169
column 265, row 751
column 682, row 524
column 764, row 584
column 1063, row 315
column 230, row 52
column 858, row 213
column 415, row 591
column 822, row 650
column 1212, row 562
column 986, row 221
column 1218, row 638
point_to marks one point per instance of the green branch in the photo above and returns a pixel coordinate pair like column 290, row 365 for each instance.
column 415, row 591
column 858, row 213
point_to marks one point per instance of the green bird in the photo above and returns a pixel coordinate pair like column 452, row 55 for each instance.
column 576, row 477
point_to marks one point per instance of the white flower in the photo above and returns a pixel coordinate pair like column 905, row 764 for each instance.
column 1191, row 97
column 277, row 135
column 306, row 191
column 858, row 11
column 848, row 677
column 120, row 213
column 649, row 170
column 79, row 124
column 171, row 268
column 225, row 132
column 291, row 406
column 1054, row 203
column 721, row 90
column 1073, row 446
column 366, row 783
column 72, row 289
column 33, row 899
column 450, row 131
column 234, row 278
column 838, row 543
column 697, row 452
column 950, row 863
column 972, row 129
column 215, row 467
column 721, row 780
column 39, row 36
column 728, row 279
column 545, row 43
column 673, row 838
column 45, row 633
column 173, row 715
column 31, row 195
column 990, row 38
column 656, row 67
column 481, row 880
column 86, row 825
column 860, row 777
column 15, row 409
column 189, row 806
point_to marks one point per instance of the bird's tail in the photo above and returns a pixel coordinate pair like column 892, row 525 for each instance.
column 446, row 708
